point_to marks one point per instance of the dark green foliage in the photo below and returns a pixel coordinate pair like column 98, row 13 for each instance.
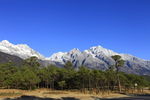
column 30, row 75
column 62, row 84
column 32, row 62
column 118, row 63
column 30, row 79
column 68, row 65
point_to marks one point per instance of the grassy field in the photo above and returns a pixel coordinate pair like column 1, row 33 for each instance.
column 45, row 94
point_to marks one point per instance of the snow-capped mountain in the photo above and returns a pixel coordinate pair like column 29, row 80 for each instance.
column 95, row 57
column 100, row 58
column 21, row 50
column 96, row 52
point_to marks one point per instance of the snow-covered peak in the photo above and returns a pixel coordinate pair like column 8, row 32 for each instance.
column 57, row 56
column 94, row 57
column 21, row 50
column 99, row 50
column 5, row 42
column 24, row 51
column 75, row 51
column 23, row 46
column 95, row 52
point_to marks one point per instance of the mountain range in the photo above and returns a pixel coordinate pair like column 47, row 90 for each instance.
column 95, row 57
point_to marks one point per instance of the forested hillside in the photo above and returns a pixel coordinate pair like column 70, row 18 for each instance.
column 30, row 75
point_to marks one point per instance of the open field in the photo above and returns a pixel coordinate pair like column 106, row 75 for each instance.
column 44, row 94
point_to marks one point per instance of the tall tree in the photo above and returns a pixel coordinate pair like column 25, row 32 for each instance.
column 32, row 62
column 17, row 79
column 84, row 76
column 118, row 63
column 30, row 79
column 62, row 84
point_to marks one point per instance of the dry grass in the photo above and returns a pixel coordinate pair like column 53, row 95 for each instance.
column 46, row 93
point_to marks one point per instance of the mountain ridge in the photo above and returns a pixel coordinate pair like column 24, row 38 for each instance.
column 40, row 56
column 21, row 50
column 95, row 57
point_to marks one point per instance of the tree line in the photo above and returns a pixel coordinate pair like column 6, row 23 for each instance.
column 30, row 75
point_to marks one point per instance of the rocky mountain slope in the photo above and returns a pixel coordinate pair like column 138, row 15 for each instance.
column 100, row 58
column 5, row 58
column 96, row 58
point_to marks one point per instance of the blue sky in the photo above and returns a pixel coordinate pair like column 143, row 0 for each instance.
column 49, row 26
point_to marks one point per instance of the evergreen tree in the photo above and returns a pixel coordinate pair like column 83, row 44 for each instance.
column 30, row 75
column 68, row 65
column 118, row 63
column 30, row 79
column 62, row 84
